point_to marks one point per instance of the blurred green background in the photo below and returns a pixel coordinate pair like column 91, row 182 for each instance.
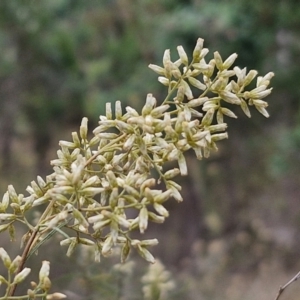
column 236, row 235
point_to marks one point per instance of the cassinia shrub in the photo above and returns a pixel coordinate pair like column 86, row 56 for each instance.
column 104, row 187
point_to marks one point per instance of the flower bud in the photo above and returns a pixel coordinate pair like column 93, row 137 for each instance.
column 249, row 77
column 201, row 66
column 100, row 224
column 260, row 95
column 118, row 110
column 30, row 293
column 208, row 117
column 122, row 221
column 166, row 57
column 196, row 83
column 91, row 181
column 203, row 53
column 67, row 241
column 80, row 218
column 200, row 135
column 210, row 105
column 171, row 173
column 4, row 203
column 84, row 128
column 245, row 108
column 108, row 111
column 182, row 164
column 180, row 94
column 94, row 141
column 5, row 258
column 210, row 70
column 240, row 74
column 162, row 197
column 228, row 112
column 44, row 271
column 182, row 55
column 4, row 227
column 92, row 191
column 110, row 175
column 56, row 296
column 113, row 198
column 265, row 80
column 125, row 252
column 149, row 105
column 161, row 209
column 197, row 50
column 155, row 218
column 159, row 111
column 165, row 81
column 144, row 253
column 150, row 242
column 7, row 217
column 234, row 86
column 229, row 61
column 175, row 194
column 218, row 60
column 76, row 140
column 67, row 144
column 12, row 194
column 260, row 103
column 46, row 284
column 217, row 127
column 107, row 245
column 22, row 275
column 147, row 183
column 197, row 102
column 230, row 97
column 220, row 84
column 176, row 74
column 107, row 135
column 187, row 89
column 263, row 111
column 15, row 264
column 71, row 248
column 157, row 69
column 97, row 254
column 143, row 219
column 219, row 136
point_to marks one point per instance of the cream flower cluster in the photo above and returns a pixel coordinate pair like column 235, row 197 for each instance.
column 118, row 180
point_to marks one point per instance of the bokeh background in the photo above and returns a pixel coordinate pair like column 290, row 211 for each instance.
column 237, row 234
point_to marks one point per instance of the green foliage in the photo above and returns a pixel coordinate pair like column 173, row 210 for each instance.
column 106, row 186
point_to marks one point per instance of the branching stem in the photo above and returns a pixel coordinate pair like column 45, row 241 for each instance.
column 282, row 288
column 32, row 240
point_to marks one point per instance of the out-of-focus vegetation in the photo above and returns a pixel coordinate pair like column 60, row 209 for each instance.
column 237, row 232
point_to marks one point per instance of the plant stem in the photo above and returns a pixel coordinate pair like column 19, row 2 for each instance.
column 282, row 288
column 30, row 244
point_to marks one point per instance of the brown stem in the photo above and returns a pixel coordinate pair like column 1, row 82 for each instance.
column 23, row 260
column 30, row 244
column 282, row 288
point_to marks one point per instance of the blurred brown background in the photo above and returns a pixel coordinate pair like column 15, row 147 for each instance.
column 236, row 235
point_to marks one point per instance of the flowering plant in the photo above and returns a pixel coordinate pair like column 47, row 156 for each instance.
column 105, row 187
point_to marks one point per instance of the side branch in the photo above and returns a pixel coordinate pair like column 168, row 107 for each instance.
column 282, row 288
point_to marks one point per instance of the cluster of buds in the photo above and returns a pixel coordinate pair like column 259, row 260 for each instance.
column 38, row 290
column 105, row 187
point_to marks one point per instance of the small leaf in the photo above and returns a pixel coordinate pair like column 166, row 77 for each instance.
column 228, row 112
